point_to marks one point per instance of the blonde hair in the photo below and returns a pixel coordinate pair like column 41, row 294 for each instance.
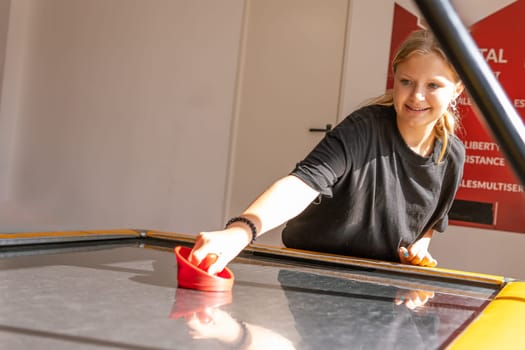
column 423, row 42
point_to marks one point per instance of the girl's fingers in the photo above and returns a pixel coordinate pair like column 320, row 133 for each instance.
column 408, row 257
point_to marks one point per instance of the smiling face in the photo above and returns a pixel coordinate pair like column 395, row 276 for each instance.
column 424, row 86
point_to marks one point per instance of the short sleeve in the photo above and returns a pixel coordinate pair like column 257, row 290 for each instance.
column 323, row 166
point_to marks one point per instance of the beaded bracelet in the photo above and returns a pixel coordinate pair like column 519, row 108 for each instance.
column 248, row 222
column 243, row 340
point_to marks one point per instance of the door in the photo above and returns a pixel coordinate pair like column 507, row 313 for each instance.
column 289, row 82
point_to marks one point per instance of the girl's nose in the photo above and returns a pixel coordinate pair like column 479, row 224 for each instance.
column 418, row 93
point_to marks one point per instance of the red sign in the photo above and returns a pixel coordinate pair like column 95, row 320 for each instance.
column 490, row 196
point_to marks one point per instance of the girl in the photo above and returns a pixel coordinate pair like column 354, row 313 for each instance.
column 377, row 185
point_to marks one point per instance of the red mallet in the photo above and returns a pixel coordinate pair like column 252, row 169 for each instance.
column 197, row 277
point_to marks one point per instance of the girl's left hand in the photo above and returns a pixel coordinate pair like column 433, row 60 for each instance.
column 417, row 253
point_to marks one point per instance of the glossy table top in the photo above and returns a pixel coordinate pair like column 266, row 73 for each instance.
column 124, row 295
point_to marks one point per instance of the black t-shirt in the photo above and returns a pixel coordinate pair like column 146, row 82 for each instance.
column 376, row 193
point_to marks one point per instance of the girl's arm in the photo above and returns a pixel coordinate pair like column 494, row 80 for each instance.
column 283, row 200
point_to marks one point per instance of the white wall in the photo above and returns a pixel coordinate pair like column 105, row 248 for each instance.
column 6, row 119
column 487, row 251
column 367, row 52
column 118, row 113
column 4, row 24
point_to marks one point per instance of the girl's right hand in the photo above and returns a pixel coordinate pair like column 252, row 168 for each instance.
column 225, row 244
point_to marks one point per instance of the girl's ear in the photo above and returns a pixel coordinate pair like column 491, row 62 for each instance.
column 459, row 90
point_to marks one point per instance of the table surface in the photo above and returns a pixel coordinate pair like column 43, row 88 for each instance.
column 123, row 294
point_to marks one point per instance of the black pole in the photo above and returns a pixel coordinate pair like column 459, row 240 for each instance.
column 504, row 122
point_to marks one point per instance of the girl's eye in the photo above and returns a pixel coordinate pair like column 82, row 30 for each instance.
column 405, row 82
column 433, row 86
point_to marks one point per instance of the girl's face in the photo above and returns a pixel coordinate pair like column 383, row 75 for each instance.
column 424, row 86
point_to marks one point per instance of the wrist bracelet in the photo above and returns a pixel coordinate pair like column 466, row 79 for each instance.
column 243, row 340
column 248, row 222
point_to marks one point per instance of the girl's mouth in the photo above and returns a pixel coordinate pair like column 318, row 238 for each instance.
column 417, row 109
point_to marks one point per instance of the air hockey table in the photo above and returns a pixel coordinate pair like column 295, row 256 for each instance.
column 117, row 289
